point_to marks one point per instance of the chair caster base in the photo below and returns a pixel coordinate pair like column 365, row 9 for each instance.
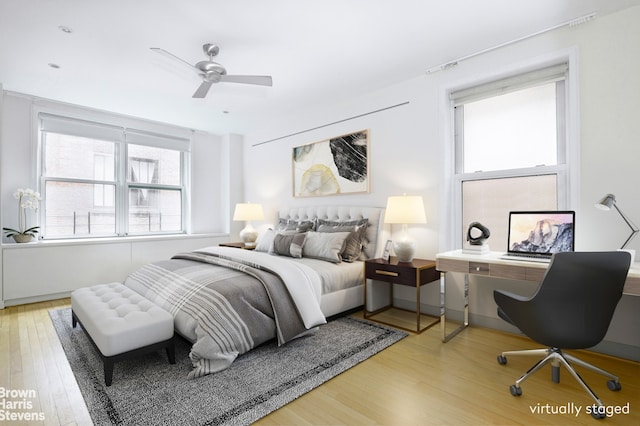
column 614, row 385
column 515, row 390
column 502, row 360
column 555, row 374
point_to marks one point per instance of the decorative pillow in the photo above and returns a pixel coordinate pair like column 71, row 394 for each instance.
column 295, row 225
column 325, row 245
column 288, row 243
column 354, row 243
column 265, row 241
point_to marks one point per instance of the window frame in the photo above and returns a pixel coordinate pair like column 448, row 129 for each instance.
column 567, row 169
column 127, row 136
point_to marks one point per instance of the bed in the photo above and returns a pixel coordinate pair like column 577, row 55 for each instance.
column 227, row 301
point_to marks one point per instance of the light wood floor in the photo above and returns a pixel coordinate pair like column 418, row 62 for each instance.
column 418, row 381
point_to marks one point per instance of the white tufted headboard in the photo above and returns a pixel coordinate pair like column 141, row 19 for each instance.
column 377, row 233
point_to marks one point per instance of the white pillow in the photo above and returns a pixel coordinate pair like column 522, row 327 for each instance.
column 325, row 245
column 265, row 241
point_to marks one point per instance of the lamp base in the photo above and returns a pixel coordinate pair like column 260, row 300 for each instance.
column 405, row 250
column 249, row 235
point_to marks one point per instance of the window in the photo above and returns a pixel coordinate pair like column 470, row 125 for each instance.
column 102, row 180
column 153, row 178
column 510, row 149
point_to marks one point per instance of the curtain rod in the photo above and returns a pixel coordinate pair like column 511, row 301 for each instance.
column 331, row 124
column 572, row 23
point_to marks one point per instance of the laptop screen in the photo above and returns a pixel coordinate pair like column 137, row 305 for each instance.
column 541, row 232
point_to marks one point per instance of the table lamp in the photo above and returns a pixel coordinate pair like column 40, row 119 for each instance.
column 248, row 212
column 405, row 209
column 609, row 201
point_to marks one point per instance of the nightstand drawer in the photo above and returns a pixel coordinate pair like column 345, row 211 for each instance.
column 414, row 274
column 391, row 273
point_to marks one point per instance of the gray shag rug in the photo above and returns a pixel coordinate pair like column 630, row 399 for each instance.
column 150, row 391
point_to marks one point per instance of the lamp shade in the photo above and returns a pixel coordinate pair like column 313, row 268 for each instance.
column 405, row 209
column 248, row 211
column 607, row 202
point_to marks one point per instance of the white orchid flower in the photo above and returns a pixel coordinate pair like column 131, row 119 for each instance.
column 27, row 199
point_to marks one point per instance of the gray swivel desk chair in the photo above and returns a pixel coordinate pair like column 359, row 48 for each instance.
column 571, row 309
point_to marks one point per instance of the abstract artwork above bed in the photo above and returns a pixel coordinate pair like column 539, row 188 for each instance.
column 339, row 165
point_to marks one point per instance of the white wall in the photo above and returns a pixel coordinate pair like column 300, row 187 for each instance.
column 410, row 150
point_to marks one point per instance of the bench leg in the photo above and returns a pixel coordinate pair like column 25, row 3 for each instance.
column 108, row 372
column 74, row 320
column 171, row 351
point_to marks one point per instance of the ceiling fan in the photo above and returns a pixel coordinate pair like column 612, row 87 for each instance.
column 212, row 72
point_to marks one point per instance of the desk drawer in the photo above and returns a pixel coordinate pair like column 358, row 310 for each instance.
column 478, row 268
column 391, row 274
column 535, row 274
column 452, row 265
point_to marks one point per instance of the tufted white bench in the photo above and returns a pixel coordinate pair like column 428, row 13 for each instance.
column 121, row 323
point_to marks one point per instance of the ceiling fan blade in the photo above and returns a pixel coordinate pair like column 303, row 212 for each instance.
column 203, row 89
column 175, row 58
column 261, row 80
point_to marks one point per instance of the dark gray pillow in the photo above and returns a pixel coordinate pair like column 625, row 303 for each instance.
column 295, row 225
column 288, row 244
column 354, row 242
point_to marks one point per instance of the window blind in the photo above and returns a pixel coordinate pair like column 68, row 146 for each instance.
column 75, row 127
column 541, row 76
column 140, row 137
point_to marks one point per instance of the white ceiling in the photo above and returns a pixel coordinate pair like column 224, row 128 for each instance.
column 315, row 50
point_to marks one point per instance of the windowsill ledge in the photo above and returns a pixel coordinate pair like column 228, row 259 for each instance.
column 110, row 240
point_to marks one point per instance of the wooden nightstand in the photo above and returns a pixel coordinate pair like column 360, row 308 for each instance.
column 239, row 245
column 414, row 274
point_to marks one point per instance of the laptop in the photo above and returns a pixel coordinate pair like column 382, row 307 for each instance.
column 536, row 235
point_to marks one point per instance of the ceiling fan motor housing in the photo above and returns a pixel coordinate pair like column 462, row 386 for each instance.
column 211, row 71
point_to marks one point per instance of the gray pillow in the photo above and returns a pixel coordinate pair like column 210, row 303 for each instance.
column 325, row 245
column 288, row 244
column 295, row 225
column 354, row 243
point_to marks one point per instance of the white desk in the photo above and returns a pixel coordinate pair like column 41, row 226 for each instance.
column 490, row 265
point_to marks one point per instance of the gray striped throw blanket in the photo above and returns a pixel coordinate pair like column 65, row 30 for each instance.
column 227, row 301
